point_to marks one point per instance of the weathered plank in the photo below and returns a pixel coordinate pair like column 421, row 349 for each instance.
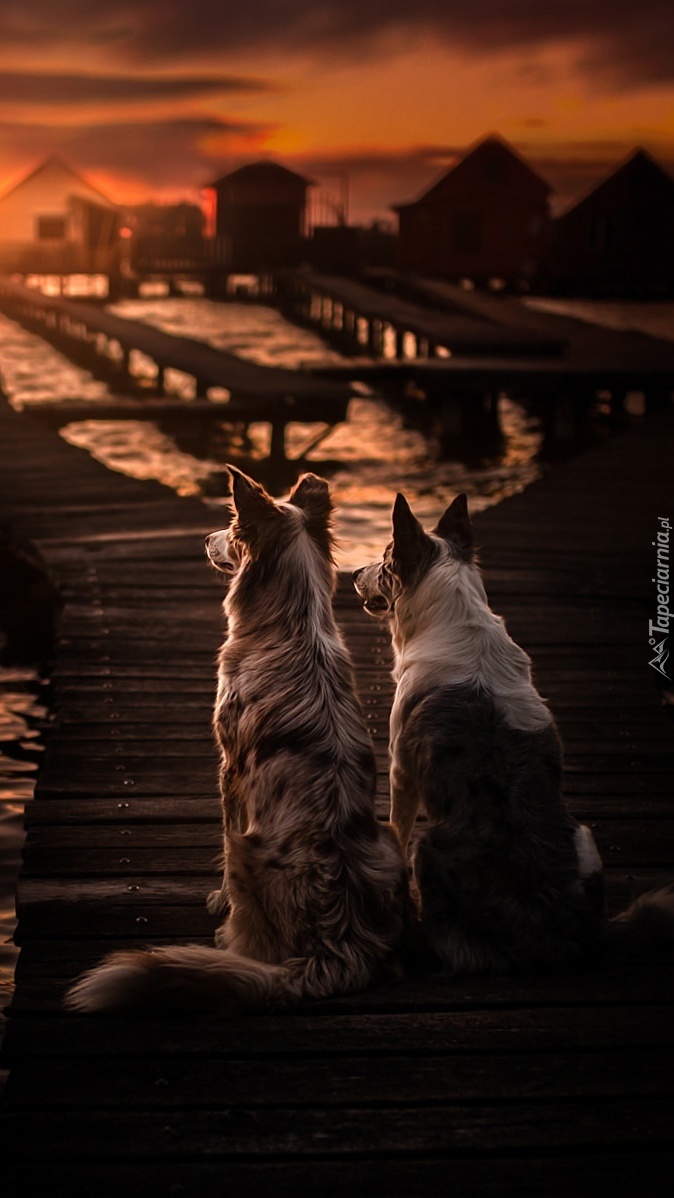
column 555, row 1176
column 523, row 1029
column 351, row 1131
column 555, row 1086
column 176, row 1084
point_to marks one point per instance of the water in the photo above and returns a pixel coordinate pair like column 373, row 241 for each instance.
column 21, row 710
column 368, row 458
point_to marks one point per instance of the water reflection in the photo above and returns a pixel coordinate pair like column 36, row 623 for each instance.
column 21, row 712
column 368, row 458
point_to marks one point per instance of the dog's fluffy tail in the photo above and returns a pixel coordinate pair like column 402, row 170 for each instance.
column 645, row 930
column 189, row 977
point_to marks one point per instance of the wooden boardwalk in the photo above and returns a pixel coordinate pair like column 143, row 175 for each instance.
column 105, row 344
column 552, row 1088
column 464, row 331
column 475, row 325
column 469, row 347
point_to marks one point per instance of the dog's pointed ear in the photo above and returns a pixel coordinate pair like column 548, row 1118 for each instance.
column 455, row 526
column 311, row 495
column 252, row 503
column 408, row 535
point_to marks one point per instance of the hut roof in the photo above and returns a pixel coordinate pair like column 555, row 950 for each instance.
column 489, row 153
column 640, row 173
column 58, row 172
column 262, row 173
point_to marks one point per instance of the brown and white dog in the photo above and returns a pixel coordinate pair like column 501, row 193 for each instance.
column 315, row 891
column 507, row 878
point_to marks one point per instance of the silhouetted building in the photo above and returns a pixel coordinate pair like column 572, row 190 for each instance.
column 55, row 222
column 486, row 218
column 618, row 240
column 351, row 249
column 259, row 220
column 168, row 237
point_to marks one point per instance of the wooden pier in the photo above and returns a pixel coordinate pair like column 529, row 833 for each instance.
column 107, row 345
column 443, row 362
column 358, row 317
column 560, row 1087
column 439, row 351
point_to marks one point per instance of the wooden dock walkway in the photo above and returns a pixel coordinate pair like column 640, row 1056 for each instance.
column 558, row 366
column 472, row 325
column 444, row 355
column 336, row 303
column 544, row 1088
column 105, row 344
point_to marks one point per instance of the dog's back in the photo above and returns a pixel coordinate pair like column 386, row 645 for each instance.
column 315, row 891
column 500, row 866
column 507, row 877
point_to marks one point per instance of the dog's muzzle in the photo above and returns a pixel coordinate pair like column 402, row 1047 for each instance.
column 376, row 605
column 215, row 556
column 373, row 601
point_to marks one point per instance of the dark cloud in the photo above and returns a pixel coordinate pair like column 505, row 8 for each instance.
column 620, row 42
column 374, row 179
column 377, row 180
column 160, row 154
column 32, row 87
column 177, row 156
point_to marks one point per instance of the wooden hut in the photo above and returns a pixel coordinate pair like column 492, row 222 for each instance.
column 55, row 222
column 259, row 220
column 619, row 239
column 168, row 237
column 486, row 218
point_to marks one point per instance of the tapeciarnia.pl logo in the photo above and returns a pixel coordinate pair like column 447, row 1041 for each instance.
column 660, row 624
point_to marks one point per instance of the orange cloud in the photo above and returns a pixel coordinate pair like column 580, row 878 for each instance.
column 385, row 93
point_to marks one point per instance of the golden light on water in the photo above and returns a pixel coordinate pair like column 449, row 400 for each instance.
column 139, row 449
column 19, row 754
column 367, row 458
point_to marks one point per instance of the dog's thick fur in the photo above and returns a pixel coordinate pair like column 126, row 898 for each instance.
column 315, row 890
column 507, row 878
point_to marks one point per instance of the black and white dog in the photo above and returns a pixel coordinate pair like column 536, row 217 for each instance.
column 507, row 878
column 315, row 892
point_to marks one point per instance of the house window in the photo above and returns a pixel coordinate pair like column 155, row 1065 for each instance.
column 51, row 228
column 467, row 232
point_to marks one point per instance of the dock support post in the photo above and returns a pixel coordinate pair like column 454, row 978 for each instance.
column 564, row 421
column 349, row 334
column 325, row 311
column 375, row 335
column 451, row 412
column 657, row 398
column 465, row 420
column 277, row 448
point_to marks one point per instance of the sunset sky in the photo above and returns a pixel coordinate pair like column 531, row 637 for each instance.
column 154, row 98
